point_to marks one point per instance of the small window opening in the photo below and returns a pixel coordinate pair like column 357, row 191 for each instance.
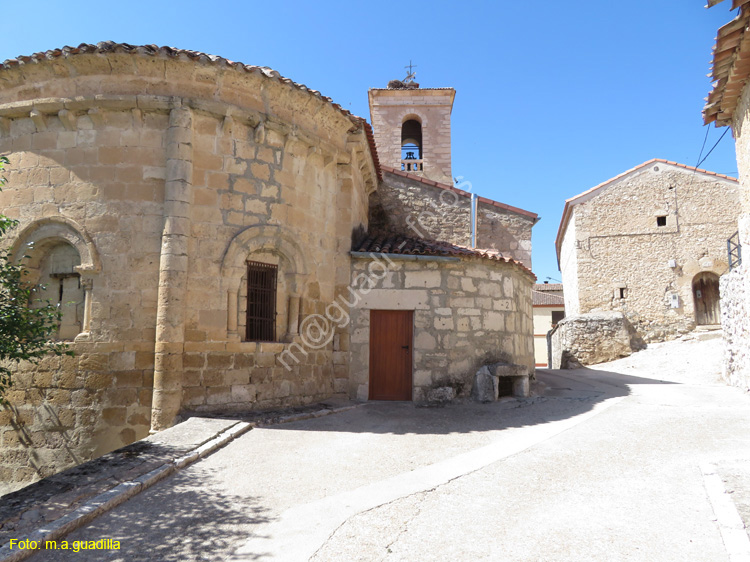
column 60, row 284
column 261, row 301
column 661, row 221
column 557, row 315
column 623, row 292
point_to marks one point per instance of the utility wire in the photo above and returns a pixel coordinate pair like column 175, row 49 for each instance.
column 704, row 146
column 712, row 148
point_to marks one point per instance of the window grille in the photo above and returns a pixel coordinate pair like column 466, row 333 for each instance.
column 734, row 251
column 261, row 301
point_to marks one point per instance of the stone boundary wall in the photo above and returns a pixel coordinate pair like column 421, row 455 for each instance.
column 467, row 313
column 588, row 339
column 735, row 325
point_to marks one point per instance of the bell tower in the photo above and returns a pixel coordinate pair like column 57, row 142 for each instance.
column 412, row 128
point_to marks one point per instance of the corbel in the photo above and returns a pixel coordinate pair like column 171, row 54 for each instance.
column 68, row 119
column 260, row 133
column 137, row 114
column 39, row 120
column 96, row 116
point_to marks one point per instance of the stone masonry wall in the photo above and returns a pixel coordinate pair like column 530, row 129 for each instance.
column 389, row 108
column 735, row 325
column 595, row 337
column 619, row 245
column 735, row 286
column 167, row 175
column 467, row 314
column 103, row 172
column 416, row 209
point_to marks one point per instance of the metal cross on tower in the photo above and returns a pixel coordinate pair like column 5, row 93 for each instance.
column 410, row 73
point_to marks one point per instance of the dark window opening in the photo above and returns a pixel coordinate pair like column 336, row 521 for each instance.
column 557, row 315
column 623, row 292
column 411, row 140
column 661, row 221
column 261, row 301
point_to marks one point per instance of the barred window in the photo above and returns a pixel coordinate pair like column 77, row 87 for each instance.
column 261, row 301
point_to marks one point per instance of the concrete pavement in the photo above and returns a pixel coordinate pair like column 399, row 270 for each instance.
column 603, row 466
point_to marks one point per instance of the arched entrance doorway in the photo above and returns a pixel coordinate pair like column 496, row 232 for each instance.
column 706, row 298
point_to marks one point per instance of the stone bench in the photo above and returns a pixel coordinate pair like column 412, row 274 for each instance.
column 491, row 380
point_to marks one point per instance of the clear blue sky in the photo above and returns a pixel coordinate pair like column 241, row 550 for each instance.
column 552, row 97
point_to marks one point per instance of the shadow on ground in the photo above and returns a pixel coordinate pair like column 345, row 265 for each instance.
column 22, row 511
column 562, row 394
column 183, row 518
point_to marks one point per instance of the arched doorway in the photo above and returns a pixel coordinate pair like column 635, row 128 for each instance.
column 706, row 298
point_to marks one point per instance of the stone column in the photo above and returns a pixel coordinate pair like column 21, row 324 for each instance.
column 232, row 297
column 293, row 320
column 87, row 284
column 173, row 266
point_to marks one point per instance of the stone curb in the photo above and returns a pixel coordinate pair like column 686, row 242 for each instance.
column 120, row 493
column 730, row 523
column 123, row 492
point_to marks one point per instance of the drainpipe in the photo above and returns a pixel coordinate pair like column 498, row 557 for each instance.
column 473, row 220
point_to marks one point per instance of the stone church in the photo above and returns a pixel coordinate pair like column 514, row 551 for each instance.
column 222, row 239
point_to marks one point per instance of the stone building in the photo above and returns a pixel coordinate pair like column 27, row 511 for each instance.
column 728, row 104
column 205, row 227
column 650, row 243
column 417, row 197
column 548, row 303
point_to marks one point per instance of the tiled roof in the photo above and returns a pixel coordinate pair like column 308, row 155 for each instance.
column 460, row 192
column 730, row 67
column 548, row 287
column 443, row 88
column 396, row 244
column 170, row 52
column 588, row 194
column 541, row 298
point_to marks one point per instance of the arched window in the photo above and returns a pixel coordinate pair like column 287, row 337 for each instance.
column 262, row 300
column 263, row 272
column 411, row 145
column 60, row 284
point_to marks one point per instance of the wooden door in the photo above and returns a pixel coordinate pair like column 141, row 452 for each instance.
column 390, row 354
column 706, row 298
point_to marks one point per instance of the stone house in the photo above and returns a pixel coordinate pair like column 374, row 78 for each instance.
column 728, row 104
column 205, row 227
column 548, row 304
column 650, row 243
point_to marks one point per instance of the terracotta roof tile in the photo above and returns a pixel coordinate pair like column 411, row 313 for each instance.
column 156, row 51
column 541, row 298
column 396, row 244
column 548, row 287
column 730, row 67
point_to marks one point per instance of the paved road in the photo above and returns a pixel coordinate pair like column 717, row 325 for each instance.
column 602, row 466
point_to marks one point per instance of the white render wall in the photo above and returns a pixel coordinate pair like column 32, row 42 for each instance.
column 569, row 267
